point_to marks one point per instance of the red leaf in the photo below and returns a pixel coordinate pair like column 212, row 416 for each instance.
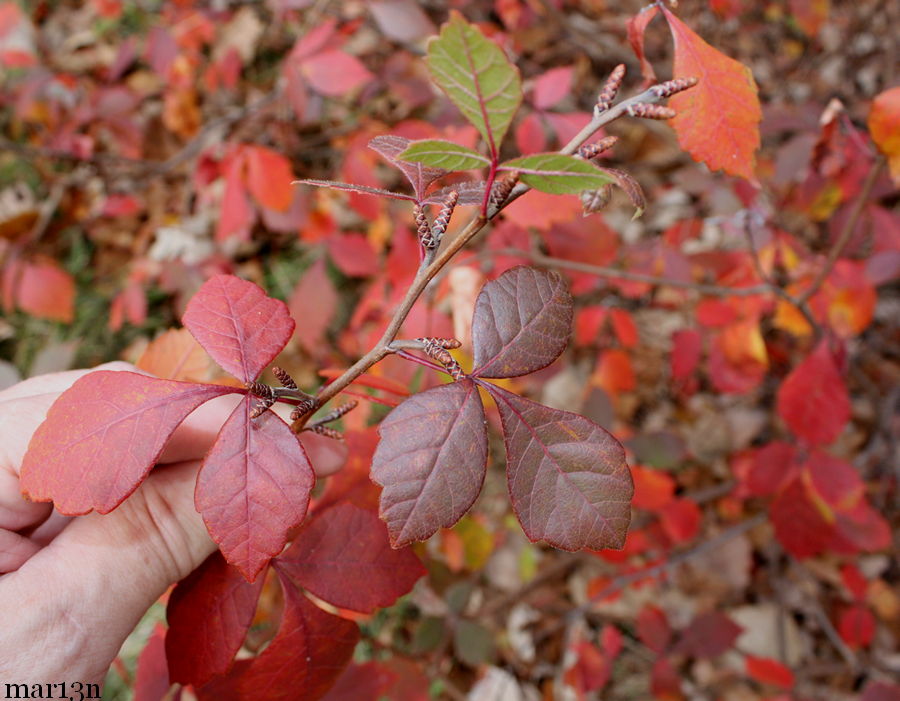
column 353, row 255
column 530, row 136
column 624, row 327
column 552, row 86
column 709, row 635
column 431, row 460
column 236, row 217
column 151, row 681
column 567, row 477
column 208, row 613
column 768, row 671
column 521, row 323
column 653, row 628
column 799, row 525
column 102, row 437
column 42, row 289
column 314, row 302
column 308, row 653
column 717, row 121
column 856, row 626
column 637, row 25
column 342, row 555
column 591, row 670
column 238, row 325
column 253, row 488
column 269, row 178
column 335, row 73
column 862, row 528
column 773, row 467
column 686, row 347
column 680, row 519
column 813, row 400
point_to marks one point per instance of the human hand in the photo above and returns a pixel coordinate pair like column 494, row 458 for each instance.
column 76, row 587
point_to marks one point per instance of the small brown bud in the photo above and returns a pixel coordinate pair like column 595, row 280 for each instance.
column 436, row 351
column 261, row 390
column 594, row 200
column 261, row 407
column 283, row 377
column 423, row 228
column 442, row 221
column 303, row 408
column 327, row 432
column 589, row 151
column 649, row 111
column 502, row 188
column 449, row 343
column 671, row 87
column 610, row 89
column 337, row 413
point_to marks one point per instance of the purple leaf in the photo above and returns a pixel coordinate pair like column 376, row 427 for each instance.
column 208, row 613
column 521, row 322
column 253, row 488
column 238, row 324
column 361, row 189
column 567, row 477
column 420, row 176
column 431, row 460
column 342, row 555
column 631, row 187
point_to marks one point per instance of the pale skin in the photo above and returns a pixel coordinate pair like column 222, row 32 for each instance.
column 72, row 589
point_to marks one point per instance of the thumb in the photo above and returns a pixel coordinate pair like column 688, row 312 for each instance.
column 85, row 592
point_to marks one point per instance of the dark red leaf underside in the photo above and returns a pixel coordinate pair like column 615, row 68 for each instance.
column 253, row 488
column 360, row 189
column 102, row 437
column 304, row 659
column 208, row 613
column 342, row 555
column 238, row 324
column 567, row 477
column 431, row 460
column 521, row 322
column 420, row 176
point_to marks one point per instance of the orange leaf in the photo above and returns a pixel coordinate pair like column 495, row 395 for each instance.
column 884, row 123
column 718, row 120
column 653, row 489
column 269, row 178
column 175, row 355
column 614, row 372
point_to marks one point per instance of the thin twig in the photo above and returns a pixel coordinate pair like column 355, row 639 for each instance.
column 777, row 289
column 603, row 271
column 844, row 237
column 429, row 269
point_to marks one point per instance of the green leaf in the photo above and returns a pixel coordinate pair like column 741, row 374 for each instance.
column 443, row 154
column 477, row 77
column 557, row 173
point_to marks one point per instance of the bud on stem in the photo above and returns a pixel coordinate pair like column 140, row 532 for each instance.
column 649, row 111
column 589, row 151
column 610, row 89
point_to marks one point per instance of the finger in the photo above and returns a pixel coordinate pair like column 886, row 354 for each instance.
column 196, row 434
column 118, row 564
column 24, row 407
column 15, row 549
